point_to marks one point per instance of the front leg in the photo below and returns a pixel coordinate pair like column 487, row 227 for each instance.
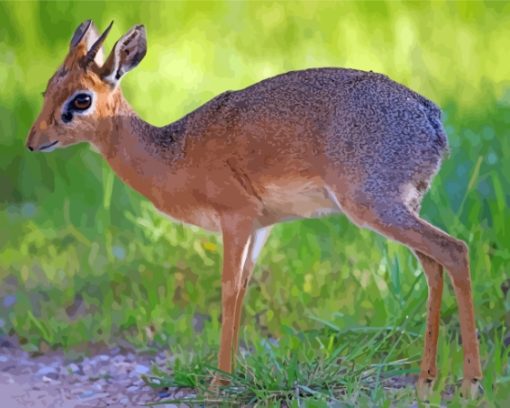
column 237, row 230
column 257, row 241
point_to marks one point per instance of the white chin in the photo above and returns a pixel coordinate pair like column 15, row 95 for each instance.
column 49, row 148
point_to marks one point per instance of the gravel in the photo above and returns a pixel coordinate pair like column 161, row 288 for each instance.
column 110, row 379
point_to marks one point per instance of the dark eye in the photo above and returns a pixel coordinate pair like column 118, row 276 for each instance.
column 81, row 102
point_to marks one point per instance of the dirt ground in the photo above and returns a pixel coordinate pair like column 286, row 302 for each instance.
column 111, row 379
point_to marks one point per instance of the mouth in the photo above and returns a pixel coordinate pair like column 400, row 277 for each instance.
column 48, row 147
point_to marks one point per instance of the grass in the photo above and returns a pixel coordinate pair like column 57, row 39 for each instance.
column 84, row 260
column 321, row 368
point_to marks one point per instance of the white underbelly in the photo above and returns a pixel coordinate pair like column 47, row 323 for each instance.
column 298, row 199
column 282, row 201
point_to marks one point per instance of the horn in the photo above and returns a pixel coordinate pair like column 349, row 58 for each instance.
column 80, row 32
column 91, row 54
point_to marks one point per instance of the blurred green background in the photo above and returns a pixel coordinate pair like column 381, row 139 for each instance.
column 83, row 259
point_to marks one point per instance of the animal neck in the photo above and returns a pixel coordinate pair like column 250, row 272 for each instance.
column 129, row 134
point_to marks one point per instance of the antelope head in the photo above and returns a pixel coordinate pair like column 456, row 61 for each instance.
column 83, row 95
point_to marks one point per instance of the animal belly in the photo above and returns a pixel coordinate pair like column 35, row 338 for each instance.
column 298, row 200
column 206, row 219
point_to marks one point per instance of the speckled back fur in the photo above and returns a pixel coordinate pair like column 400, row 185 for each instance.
column 374, row 134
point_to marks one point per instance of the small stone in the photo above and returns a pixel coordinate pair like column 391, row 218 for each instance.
column 139, row 382
column 103, row 382
column 163, row 394
column 118, row 359
column 4, row 359
column 141, row 369
column 132, row 388
column 104, row 372
column 50, row 378
column 73, row 368
column 87, row 394
column 103, row 357
column 124, row 383
column 144, row 399
column 47, row 370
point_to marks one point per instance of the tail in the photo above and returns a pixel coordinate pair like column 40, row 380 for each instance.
column 441, row 137
column 434, row 116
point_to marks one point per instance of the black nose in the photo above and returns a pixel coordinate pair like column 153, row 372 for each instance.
column 30, row 148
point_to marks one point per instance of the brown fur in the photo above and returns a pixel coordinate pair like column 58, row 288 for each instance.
column 298, row 145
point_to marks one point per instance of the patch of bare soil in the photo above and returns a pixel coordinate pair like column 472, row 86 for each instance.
column 111, row 379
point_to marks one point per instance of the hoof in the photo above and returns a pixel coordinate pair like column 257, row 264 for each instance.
column 217, row 382
column 471, row 388
column 424, row 388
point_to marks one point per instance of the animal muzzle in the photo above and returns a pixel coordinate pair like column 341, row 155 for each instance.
column 30, row 140
column 34, row 142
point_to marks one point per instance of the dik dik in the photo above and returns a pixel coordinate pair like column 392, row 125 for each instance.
column 302, row 144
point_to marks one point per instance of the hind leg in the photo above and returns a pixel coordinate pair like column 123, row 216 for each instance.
column 428, row 371
column 396, row 221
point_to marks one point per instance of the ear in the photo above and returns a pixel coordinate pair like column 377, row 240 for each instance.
column 83, row 38
column 126, row 54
